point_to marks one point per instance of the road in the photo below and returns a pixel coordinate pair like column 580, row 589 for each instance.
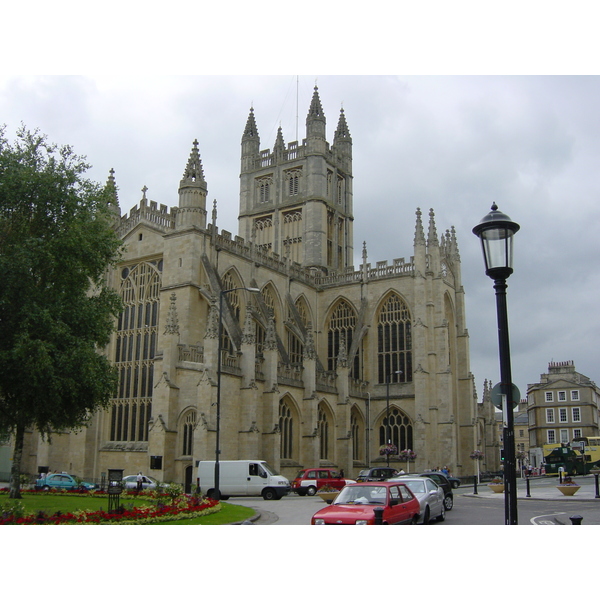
column 545, row 506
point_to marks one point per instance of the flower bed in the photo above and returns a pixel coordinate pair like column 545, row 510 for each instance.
column 182, row 507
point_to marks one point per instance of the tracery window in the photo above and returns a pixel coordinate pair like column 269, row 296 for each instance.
column 233, row 299
column 394, row 341
column 356, row 437
column 293, row 181
column 292, row 235
column 135, row 347
column 400, row 430
column 263, row 230
column 263, row 185
column 341, row 327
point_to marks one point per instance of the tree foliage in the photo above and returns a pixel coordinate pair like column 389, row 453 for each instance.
column 56, row 310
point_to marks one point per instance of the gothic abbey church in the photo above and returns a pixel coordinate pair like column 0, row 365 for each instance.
column 322, row 362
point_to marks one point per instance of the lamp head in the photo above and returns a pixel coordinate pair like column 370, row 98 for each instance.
column 496, row 231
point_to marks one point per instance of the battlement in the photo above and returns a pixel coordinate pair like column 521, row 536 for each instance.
column 159, row 216
column 566, row 366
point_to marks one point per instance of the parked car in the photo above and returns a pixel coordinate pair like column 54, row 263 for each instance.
column 454, row 481
column 308, row 481
column 62, row 481
column 148, row 483
column 430, row 496
column 377, row 474
column 356, row 504
column 443, row 482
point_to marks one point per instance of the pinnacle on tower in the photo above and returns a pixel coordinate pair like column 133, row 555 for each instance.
column 342, row 133
column 193, row 171
column 111, row 187
column 315, row 110
column 432, row 238
column 251, row 131
column 419, row 232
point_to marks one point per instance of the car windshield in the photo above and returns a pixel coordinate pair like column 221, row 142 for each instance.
column 269, row 469
column 418, row 487
column 362, row 494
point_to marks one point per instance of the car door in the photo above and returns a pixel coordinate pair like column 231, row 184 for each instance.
column 435, row 496
column 398, row 511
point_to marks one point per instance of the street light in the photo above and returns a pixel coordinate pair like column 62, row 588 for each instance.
column 217, row 492
column 387, row 415
column 496, row 231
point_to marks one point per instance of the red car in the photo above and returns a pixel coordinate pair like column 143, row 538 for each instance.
column 309, row 481
column 356, row 504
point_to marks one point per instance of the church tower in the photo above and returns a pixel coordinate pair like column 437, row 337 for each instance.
column 296, row 200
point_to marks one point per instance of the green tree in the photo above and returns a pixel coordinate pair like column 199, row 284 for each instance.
column 56, row 310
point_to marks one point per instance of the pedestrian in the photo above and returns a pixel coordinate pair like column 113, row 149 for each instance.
column 140, row 481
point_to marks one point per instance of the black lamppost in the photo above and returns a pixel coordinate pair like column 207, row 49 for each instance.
column 496, row 231
column 217, row 492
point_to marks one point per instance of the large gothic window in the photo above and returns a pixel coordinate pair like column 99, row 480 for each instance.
column 263, row 186
column 293, row 181
column 263, row 232
column 400, row 430
column 233, row 298
column 136, row 338
column 394, row 341
column 341, row 327
column 357, row 442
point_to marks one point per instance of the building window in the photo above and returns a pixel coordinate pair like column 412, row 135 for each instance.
column 575, row 395
column 323, row 429
column 549, row 396
column 549, row 415
column 576, row 413
column 187, row 437
column 562, row 396
column 356, row 438
column 577, row 433
column 263, row 186
column 562, row 415
column 521, row 433
column 286, row 426
column 341, row 327
column 564, row 436
column 400, row 431
column 551, row 436
column 293, row 182
column 135, row 347
column 394, row 341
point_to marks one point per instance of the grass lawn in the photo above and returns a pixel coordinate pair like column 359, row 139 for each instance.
column 51, row 504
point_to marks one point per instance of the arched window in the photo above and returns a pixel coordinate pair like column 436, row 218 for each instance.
column 233, row 298
column 341, row 326
column 286, row 427
column 357, row 441
column 400, row 430
column 135, row 347
column 187, row 433
column 323, row 429
column 394, row 341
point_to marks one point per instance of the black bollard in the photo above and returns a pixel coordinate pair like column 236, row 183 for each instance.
column 378, row 515
column 475, row 485
column 597, row 490
column 528, row 495
column 576, row 519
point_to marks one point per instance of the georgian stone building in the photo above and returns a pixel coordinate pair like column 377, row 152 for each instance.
column 311, row 361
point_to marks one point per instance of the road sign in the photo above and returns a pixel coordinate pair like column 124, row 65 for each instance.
column 498, row 393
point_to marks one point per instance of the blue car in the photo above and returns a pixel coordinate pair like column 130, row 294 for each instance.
column 62, row 481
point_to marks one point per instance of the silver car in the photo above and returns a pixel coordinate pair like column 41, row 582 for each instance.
column 148, row 483
column 430, row 496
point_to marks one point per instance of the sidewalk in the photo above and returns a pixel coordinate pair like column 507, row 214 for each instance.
column 539, row 489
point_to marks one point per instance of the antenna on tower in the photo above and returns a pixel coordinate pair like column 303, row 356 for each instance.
column 296, row 107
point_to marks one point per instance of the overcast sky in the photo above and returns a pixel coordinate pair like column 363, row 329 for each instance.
column 454, row 144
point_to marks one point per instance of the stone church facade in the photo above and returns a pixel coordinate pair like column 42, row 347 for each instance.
column 313, row 349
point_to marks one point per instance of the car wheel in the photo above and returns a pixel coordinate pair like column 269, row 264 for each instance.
column 312, row 490
column 448, row 502
column 269, row 494
column 426, row 516
column 442, row 516
column 46, row 488
column 301, row 492
column 454, row 484
column 415, row 520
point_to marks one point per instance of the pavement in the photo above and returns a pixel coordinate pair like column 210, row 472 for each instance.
column 540, row 488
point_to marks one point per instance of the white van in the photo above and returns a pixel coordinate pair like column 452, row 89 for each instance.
column 242, row 478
